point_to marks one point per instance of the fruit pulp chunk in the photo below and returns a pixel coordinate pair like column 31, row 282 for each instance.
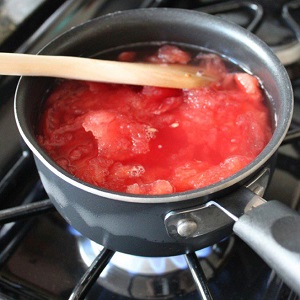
column 151, row 140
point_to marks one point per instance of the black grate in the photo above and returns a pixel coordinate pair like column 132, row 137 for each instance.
column 21, row 193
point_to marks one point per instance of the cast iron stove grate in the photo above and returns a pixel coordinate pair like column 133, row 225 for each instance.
column 15, row 221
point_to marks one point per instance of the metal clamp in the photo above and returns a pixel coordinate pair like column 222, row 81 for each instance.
column 213, row 215
column 195, row 222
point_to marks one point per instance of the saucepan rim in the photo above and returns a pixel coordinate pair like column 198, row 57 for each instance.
column 277, row 137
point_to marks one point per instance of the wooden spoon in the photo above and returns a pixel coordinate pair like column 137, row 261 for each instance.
column 174, row 76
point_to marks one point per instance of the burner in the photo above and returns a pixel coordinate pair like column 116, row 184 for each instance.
column 154, row 277
column 275, row 22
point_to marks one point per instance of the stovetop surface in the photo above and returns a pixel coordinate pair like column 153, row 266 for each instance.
column 40, row 257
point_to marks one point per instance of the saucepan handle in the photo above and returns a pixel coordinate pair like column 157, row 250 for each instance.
column 272, row 230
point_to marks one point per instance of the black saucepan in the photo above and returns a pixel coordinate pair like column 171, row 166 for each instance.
column 183, row 222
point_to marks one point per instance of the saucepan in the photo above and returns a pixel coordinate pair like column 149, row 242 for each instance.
column 178, row 223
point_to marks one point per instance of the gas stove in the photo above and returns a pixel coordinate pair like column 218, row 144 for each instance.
column 42, row 257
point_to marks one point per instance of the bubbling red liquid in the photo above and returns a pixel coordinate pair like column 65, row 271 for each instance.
column 150, row 140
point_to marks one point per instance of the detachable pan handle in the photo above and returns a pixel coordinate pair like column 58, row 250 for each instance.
column 272, row 230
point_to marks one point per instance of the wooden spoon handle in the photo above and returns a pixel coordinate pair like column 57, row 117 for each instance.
column 175, row 76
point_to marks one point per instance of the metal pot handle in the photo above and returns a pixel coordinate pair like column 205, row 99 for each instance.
column 272, row 230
